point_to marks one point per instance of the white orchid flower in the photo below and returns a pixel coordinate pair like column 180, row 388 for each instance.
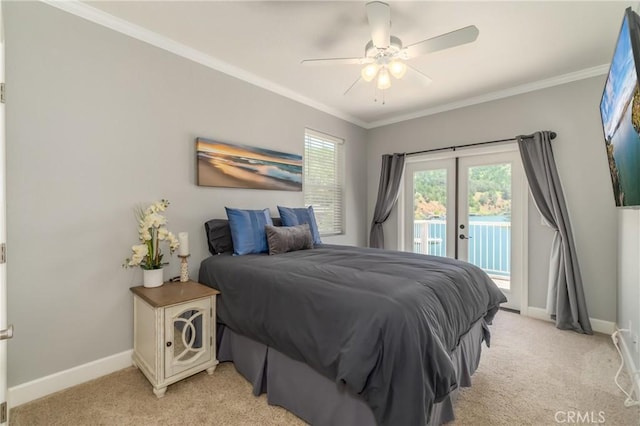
column 145, row 235
column 173, row 242
column 160, row 206
column 155, row 220
column 151, row 232
column 139, row 252
column 162, row 233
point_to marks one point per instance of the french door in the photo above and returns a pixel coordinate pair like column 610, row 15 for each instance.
column 470, row 206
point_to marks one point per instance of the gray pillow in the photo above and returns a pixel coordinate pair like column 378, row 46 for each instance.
column 218, row 234
column 283, row 239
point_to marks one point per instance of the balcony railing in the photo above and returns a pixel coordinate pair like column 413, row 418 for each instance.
column 489, row 243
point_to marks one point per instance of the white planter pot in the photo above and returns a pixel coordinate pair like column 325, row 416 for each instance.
column 152, row 277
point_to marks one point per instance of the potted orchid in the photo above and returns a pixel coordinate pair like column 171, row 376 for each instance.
column 152, row 232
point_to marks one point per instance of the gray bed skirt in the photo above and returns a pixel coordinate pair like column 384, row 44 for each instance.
column 320, row 401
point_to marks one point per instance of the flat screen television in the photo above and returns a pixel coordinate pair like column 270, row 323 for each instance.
column 620, row 113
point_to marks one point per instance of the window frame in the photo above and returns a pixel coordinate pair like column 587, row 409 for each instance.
column 337, row 224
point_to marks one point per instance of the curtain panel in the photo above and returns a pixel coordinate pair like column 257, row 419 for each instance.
column 388, row 190
column 565, row 298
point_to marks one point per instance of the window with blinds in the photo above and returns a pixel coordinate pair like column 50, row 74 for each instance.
column 324, row 180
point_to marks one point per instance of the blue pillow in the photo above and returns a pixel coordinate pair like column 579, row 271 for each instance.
column 247, row 230
column 300, row 216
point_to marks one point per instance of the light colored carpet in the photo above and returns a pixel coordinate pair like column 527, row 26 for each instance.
column 531, row 372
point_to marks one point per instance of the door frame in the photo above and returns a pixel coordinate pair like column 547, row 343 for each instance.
column 522, row 193
column 3, row 235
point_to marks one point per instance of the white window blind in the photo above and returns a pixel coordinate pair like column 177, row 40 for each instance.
column 324, row 180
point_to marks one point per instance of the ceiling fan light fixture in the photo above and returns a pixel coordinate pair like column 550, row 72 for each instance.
column 384, row 79
column 398, row 69
column 384, row 54
column 369, row 72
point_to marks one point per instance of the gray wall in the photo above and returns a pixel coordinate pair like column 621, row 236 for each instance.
column 97, row 123
column 572, row 111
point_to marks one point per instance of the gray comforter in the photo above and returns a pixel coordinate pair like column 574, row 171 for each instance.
column 382, row 322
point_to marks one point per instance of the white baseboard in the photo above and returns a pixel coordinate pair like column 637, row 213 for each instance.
column 632, row 368
column 26, row 392
column 598, row 325
column 44, row 386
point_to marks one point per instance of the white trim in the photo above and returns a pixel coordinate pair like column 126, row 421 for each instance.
column 97, row 16
column 500, row 94
column 44, row 386
column 524, row 248
column 632, row 368
column 82, row 10
column 400, row 209
column 3, row 223
column 598, row 325
column 601, row 326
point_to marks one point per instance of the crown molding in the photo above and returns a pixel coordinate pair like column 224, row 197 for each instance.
column 500, row 94
column 97, row 16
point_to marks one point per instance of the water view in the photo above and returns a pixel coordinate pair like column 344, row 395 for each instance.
column 488, row 226
column 489, row 243
column 626, row 154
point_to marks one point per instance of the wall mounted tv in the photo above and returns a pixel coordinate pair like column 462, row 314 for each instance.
column 620, row 113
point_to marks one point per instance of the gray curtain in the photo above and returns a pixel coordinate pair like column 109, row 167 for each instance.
column 565, row 297
column 388, row 189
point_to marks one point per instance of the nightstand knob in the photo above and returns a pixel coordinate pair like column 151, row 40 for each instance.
column 168, row 344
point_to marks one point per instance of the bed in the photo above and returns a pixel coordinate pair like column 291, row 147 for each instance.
column 348, row 335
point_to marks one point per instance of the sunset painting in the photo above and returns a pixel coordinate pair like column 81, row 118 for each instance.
column 239, row 166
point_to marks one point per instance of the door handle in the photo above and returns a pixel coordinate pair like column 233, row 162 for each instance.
column 7, row 333
column 464, row 237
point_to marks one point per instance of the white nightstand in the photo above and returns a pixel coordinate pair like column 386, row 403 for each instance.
column 174, row 332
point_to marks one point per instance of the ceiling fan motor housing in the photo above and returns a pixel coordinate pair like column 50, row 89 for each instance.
column 395, row 47
column 384, row 54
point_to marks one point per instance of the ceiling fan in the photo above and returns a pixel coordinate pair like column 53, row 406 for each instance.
column 385, row 56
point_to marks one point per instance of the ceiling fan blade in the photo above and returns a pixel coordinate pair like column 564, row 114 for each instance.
column 351, row 87
column 445, row 41
column 379, row 16
column 426, row 78
column 337, row 61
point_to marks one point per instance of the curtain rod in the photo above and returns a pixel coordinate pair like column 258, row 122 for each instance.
column 453, row 148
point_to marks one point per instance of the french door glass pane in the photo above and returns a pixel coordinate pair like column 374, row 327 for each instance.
column 489, row 197
column 430, row 212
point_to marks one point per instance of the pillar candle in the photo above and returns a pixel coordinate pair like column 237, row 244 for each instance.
column 183, row 239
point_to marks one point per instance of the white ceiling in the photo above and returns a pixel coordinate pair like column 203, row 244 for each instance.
column 521, row 46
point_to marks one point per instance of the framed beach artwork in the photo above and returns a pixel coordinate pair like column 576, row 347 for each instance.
column 240, row 166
